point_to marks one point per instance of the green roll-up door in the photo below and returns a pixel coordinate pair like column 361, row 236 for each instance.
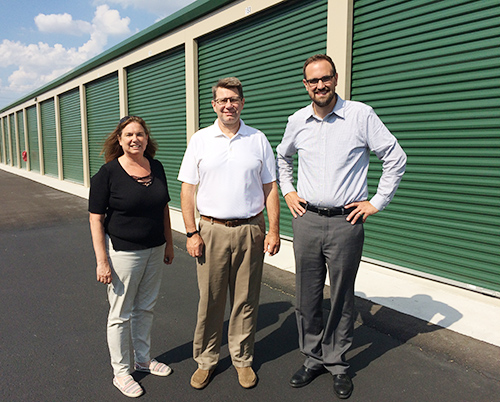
column 22, row 141
column 13, row 137
column 8, row 139
column 266, row 52
column 49, row 138
column 103, row 115
column 34, row 156
column 431, row 70
column 5, row 137
column 71, row 136
column 2, row 143
column 156, row 92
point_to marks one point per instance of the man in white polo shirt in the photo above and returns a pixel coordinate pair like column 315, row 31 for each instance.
column 233, row 167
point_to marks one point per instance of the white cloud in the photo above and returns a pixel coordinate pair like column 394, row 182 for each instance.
column 62, row 23
column 38, row 64
column 106, row 22
column 109, row 22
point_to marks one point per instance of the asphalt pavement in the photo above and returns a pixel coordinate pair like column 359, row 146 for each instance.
column 53, row 318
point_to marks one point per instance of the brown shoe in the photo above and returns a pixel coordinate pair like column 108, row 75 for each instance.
column 201, row 378
column 246, row 377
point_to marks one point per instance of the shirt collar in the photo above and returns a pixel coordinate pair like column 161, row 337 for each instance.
column 338, row 110
column 242, row 131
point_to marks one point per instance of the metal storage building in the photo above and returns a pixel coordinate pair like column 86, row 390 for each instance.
column 430, row 69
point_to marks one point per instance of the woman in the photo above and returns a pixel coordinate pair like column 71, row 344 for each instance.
column 132, row 236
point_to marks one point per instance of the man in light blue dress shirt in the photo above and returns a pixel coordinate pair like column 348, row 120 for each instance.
column 333, row 139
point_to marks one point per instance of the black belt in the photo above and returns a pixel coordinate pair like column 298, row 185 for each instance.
column 229, row 222
column 324, row 211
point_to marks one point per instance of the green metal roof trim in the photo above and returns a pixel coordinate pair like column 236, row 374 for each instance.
column 188, row 14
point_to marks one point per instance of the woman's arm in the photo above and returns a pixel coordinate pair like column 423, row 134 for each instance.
column 103, row 269
column 169, row 246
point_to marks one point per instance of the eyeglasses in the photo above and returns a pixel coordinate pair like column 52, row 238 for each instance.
column 325, row 79
column 233, row 101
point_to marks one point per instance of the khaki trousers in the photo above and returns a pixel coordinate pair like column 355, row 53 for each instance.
column 233, row 259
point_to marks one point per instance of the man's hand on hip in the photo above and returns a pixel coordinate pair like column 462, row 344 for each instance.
column 293, row 201
column 363, row 210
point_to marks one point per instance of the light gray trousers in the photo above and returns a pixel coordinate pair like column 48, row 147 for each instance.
column 132, row 295
column 324, row 244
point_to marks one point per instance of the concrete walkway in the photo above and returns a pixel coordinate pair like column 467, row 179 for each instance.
column 53, row 314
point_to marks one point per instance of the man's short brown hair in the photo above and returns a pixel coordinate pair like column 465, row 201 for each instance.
column 229, row 83
column 318, row 57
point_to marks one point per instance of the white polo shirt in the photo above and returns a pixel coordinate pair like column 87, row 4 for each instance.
column 230, row 172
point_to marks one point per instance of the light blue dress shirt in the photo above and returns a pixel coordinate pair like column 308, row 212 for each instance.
column 334, row 155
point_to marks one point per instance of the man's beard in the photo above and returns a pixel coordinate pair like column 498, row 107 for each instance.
column 325, row 102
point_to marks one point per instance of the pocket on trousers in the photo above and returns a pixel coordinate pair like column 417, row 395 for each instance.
column 258, row 232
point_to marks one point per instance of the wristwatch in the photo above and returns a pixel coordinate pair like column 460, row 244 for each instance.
column 191, row 234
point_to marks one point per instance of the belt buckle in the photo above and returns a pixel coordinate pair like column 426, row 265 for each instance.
column 229, row 224
column 323, row 211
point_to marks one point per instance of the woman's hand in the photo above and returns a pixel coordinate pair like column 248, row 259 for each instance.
column 103, row 271
column 169, row 254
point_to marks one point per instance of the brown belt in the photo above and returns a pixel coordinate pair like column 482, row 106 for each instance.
column 229, row 222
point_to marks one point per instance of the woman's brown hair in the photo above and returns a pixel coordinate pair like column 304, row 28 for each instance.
column 112, row 149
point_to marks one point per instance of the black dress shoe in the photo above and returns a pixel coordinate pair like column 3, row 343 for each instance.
column 342, row 386
column 305, row 375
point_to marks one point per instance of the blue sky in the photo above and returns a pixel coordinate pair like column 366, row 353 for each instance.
column 42, row 39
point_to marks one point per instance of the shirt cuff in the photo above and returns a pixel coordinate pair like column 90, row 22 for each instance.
column 286, row 188
column 379, row 202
